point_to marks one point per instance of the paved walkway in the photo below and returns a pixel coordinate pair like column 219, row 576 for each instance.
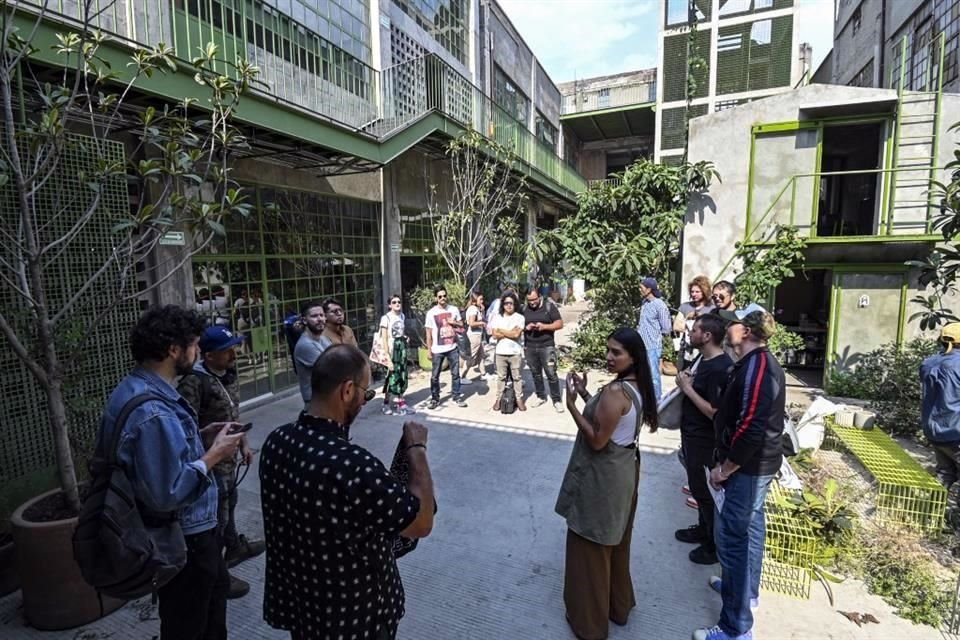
column 493, row 568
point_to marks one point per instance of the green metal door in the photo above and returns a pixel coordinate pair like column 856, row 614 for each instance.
column 867, row 311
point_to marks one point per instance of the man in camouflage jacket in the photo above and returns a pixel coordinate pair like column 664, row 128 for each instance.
column 213, row 390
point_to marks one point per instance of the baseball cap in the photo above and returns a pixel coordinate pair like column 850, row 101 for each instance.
column 757, row 319
column 217, row 338
column 651, row 283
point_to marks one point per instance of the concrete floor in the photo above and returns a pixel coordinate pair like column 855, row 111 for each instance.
column 493, row 568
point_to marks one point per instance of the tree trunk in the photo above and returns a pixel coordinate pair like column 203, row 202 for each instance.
column 57, row 413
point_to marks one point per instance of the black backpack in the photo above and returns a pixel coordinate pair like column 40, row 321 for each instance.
column 123, row 550
column 508, row 401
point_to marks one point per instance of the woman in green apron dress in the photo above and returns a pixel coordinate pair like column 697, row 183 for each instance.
column 598, row 496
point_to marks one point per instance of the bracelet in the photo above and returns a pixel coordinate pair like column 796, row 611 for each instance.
column 417, row 444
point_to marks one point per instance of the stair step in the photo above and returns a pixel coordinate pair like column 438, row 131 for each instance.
column 916, row 159
column 930, row 138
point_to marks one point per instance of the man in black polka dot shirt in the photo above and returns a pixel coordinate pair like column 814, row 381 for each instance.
column 331, row 511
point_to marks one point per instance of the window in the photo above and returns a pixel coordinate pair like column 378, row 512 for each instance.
column 603, row 98
column 855, row 21
column 864, row 77
column 444, row 20
column 678, row 11
column 509, row 97
column 546, row 132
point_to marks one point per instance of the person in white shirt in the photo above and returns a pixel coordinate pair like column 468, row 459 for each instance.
column 507, row 327
column 475, row 325
column 441, row 324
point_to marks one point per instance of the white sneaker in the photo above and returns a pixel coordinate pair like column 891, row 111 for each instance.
column 559, row 407
column 464, row 381
column 539, row 402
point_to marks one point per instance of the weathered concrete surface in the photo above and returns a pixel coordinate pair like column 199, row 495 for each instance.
column 493, row 568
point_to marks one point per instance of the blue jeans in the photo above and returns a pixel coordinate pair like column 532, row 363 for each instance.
column 739, row 533
column 453, row 358
column 653, row 357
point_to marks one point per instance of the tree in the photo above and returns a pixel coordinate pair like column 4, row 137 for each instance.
column 939, row 270
column 766, row 266
column 476, row 231
column 620, row 234
column 177, row 155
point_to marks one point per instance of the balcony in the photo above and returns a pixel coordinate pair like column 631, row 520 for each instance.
column 610, row 97
column 303, row 70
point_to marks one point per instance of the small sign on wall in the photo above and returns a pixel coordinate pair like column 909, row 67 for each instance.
column 394, row 247
column 173, row 239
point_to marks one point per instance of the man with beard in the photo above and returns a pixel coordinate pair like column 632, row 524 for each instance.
column 702, row 391
column 310, row 345
column 331, row 512
column 213, row 390
column 337, row 331
column 161, row 450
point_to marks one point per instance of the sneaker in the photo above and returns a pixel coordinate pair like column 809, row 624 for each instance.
column 238, row 588
column 716, row 583
column 403, row 409
column 685, row 490
column 693, row 534
column 244, row 550
column 460, row 401
column 703, row 555
column 692, row 503
column 386, row 410
column 464, row 381
column 433, row 404
column 539, row 402
column 559, row 407
column 716, row 633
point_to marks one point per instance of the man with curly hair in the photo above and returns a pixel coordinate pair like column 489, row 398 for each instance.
column 162, row 451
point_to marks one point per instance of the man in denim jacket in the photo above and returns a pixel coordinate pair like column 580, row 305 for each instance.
column 162, row 453
column 940, row 414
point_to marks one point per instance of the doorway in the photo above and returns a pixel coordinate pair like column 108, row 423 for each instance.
column 848, row 202
column 802, row 306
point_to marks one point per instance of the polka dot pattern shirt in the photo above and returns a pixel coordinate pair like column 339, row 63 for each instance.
column 330, row 513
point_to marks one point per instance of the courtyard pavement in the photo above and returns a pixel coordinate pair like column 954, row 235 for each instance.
column 493, row 567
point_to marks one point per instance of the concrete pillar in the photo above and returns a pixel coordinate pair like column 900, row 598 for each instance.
column 530, row 231
column 390, row 236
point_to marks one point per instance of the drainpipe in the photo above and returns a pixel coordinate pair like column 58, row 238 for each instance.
column 883, row 44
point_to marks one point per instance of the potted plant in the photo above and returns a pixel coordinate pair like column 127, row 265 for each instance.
column 76, row 243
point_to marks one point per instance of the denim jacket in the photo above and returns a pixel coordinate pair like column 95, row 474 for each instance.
column 940, row 398
column 160, row 450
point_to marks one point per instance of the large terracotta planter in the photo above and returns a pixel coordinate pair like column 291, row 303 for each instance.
column 9, row 581
column 55, row 596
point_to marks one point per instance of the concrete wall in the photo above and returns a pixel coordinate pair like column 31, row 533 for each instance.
column 853, row 51
column 718, row 221
column 504, row 47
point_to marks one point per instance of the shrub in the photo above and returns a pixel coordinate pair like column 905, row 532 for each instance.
column 889, row 378
column 590, row 342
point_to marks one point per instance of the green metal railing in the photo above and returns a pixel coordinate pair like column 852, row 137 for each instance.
column 412, row 89
column 302, row 69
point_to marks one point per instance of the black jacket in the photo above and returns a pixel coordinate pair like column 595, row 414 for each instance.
column 749, row 419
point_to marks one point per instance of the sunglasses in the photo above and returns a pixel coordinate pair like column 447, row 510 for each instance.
column 508, row 303
column 368, row 394
column 394, row 302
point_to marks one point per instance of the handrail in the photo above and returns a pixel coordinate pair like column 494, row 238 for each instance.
column 300, row 67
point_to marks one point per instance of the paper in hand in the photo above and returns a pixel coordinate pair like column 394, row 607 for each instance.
column 717, row 494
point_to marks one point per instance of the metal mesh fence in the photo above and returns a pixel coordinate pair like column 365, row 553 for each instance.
column 789, row 550
column 673, row 125
column 25, row 442
column 674, row 71
column 905, row 492
column 755, row 55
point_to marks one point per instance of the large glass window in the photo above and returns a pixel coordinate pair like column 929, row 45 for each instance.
column 446, row 20
column 294, row 247
column 509, row 97
column 546, row 132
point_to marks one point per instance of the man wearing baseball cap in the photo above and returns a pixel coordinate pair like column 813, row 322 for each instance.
column 654, row 323
column 749, row 427
column 213, row 390
column 940, row 413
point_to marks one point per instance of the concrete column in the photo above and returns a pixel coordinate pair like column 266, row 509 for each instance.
column 390, row 242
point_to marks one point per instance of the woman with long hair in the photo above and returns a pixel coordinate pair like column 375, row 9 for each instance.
column 394, row 339
column 474, row 327
column 507, row 327
column 598, row 496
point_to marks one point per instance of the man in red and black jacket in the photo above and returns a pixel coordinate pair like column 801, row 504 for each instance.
column 749, row 427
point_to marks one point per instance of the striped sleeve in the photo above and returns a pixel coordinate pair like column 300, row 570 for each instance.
column 756, row 402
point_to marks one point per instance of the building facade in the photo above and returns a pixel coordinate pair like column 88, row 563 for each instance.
column 733, row 51
column 348, row 122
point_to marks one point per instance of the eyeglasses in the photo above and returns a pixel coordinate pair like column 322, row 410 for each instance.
column 508, row 303
column 368, row 393
column 336, row 312
column 395, row 302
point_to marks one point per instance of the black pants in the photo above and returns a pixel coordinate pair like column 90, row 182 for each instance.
column 193, row 606
column 698, row 453
column 226, row 509
column 540, row 360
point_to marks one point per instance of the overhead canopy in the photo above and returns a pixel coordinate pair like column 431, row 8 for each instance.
column 608, row 124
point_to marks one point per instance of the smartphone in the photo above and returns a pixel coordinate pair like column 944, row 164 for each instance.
column 241, row 429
